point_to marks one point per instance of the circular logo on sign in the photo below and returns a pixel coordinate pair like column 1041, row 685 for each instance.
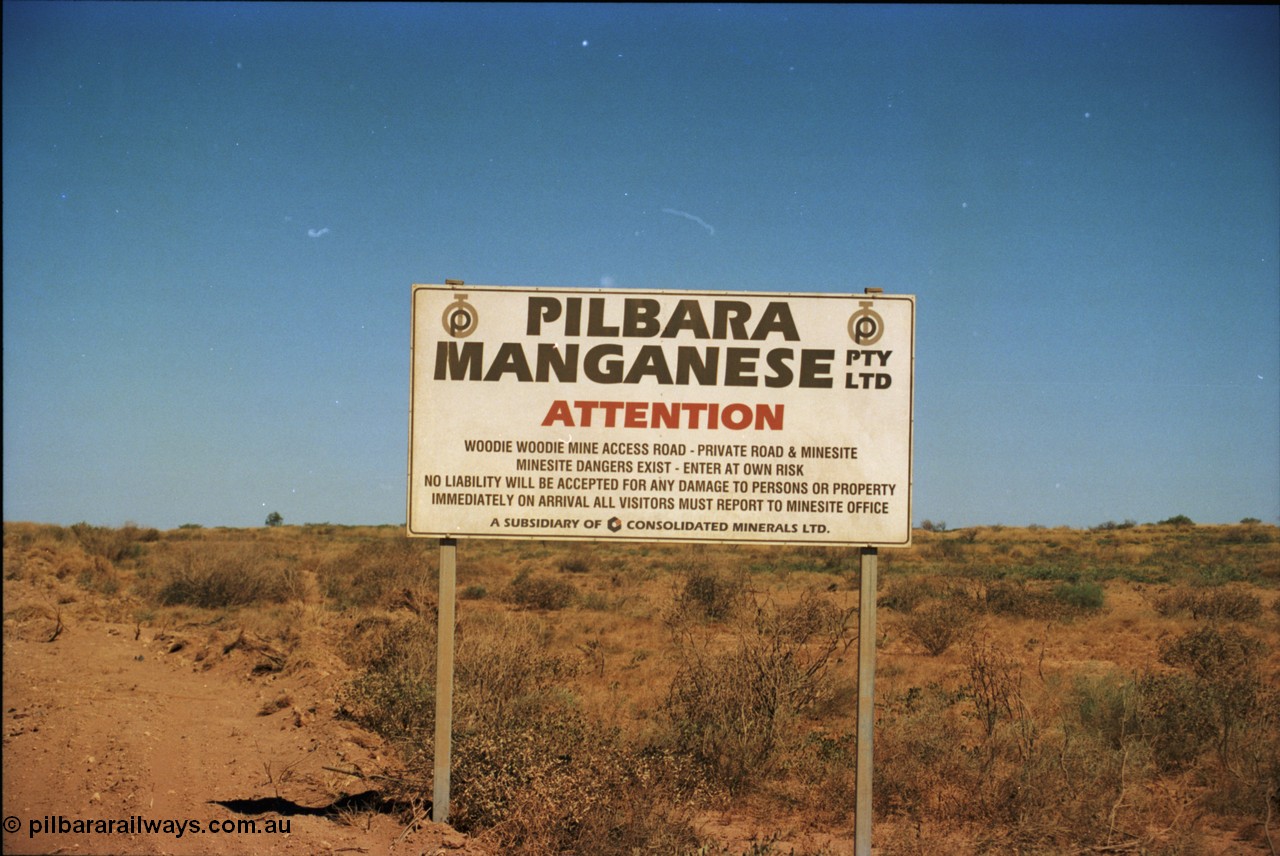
column 460, row 318
column 614, row 524
column 865, row 326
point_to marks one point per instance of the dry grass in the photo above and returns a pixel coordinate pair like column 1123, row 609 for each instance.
column 1038, row 690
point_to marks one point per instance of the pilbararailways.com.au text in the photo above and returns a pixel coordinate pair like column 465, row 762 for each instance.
column 57, row 824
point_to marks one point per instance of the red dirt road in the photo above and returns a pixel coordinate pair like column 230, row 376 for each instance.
column 102, row 726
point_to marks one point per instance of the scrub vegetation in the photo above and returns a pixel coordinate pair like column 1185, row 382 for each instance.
column 1113, row 690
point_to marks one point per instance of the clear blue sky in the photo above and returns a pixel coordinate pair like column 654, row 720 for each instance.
column 213, row 214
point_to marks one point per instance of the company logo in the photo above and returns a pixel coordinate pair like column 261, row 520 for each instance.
column 460, row 318
column 615, row 524
column 865, row 326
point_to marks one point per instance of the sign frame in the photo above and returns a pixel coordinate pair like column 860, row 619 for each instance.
column 779, row 356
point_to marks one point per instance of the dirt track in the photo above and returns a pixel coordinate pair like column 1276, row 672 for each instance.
column 115, row 722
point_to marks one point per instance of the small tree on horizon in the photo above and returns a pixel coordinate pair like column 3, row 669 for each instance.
column 275, row 519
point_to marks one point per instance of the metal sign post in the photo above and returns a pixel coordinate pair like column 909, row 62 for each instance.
column 866, row 702
column 444, row 679
column 444, row 671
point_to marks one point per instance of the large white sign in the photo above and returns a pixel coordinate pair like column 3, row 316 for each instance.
column 661, row 415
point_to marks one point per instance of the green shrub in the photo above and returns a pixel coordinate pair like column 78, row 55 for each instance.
column 1052, row 572
column 539, row 592
column 473, row 592
column 1214, row 654
column 1105, row 706
column 711, row 594
column 1008, row 597
column 1218, row 690
column 1174, row 715
column 1225, row 574
column 1225, row 660
column 578, row 562
column 394, row 692
column 905, row 594
column 1219, row 701
column 1082, row 596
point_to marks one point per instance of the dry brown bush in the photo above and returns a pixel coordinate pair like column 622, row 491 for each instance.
column 114, row 545
column 528, row 768
column 1229, row 603
column 33, row 552
column 904, row 594
column 1061, row 731
column 393, row 692
column 731, row 709
column 538, row 591
column 939, row 624
column 709, row 593
column 385, row 572
column 981, row 760
column 217, row 575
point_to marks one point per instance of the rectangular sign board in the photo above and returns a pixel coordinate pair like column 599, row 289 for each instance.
column 612, row 414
